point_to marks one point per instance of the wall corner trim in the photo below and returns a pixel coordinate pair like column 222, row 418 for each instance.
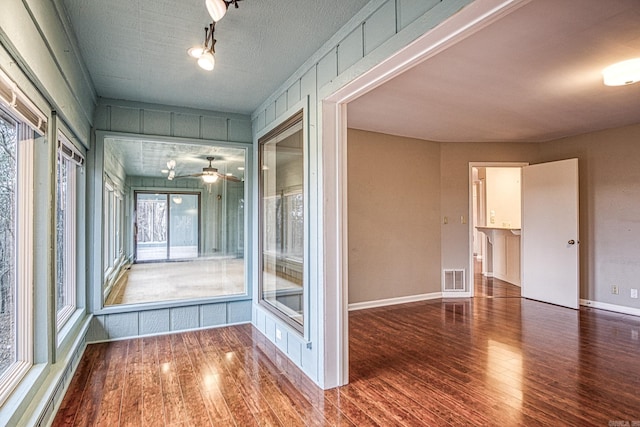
column 393, row 301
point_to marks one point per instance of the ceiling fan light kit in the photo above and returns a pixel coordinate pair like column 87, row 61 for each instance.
column 205, row 54
column 210, row 175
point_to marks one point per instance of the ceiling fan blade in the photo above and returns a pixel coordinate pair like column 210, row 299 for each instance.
column 193, row 175
column 229, row 178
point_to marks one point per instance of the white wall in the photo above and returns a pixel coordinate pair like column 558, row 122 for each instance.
column 503, row 201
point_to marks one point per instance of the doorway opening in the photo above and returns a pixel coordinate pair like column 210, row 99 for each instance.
column 496, row 218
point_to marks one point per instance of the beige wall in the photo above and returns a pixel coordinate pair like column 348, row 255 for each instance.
column 609, row 165
column 382, row 213
column 394, row 227
column 454, row 202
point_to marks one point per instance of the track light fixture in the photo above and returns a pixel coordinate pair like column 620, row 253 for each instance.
column 205, row 54
column 218, row 8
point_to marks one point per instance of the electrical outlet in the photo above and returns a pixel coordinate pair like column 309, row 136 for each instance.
column 615, row 290
column 634, row 293
column 278, row 334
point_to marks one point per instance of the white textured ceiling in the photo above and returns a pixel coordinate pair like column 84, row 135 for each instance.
column 534, row 75
column 137, row 49
column 147, row 158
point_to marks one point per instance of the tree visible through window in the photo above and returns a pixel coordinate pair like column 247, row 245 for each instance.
column 8, row 191
column 68, row 161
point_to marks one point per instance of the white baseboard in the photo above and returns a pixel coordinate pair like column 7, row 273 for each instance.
column 456, row 294
column 488, row 274
column 610, row 307
column 393, row 301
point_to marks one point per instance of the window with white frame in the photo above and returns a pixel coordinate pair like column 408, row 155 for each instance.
column 69, row 161
column 16, row 249
column 113, row 242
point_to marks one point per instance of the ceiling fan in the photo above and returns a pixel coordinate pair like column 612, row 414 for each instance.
column 210, row 174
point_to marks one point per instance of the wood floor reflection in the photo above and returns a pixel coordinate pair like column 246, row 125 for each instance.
column 492, row 287
column 486, row 361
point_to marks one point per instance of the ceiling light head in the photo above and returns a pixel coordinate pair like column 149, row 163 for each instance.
column 622, row 73
column 209, row 178
column 177, row 200
column 171, row 164
column 195, row 52
column 207, row 61
column 216, row 8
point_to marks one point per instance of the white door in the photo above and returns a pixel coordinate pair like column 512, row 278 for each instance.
column 550, row 255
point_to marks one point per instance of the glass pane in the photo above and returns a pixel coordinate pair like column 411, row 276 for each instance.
column 8, row 228
column 151, row 233
column 187, row 234
column 183, row 220
column 283, row 223
column 64, row 232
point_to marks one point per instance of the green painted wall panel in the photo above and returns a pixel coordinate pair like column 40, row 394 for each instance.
column 380, row 26
column 350, row 50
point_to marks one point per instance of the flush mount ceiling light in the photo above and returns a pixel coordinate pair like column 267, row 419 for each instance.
column 205, row 53
column 177, row 200
column 218, row 8
column 622, row 73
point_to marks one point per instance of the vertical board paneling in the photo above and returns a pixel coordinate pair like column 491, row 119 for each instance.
column 281, row 104
column 270, row 328
column 260, row 122
column 122, row 325
column 350, row 50
column 185, row 318
column 240, row 130
column 410, row 10
column 380, row 26
column 294, row 349
column 270, row 113
column 238, row 311
column 154, row 322
column 308, row 84
column 100, row 118
column 293, row 93
column 97, row 330
column 106, row 327
column 327, row 68
column 125, row 119
column 213, row 314
column 186, row 125
column 214, row 128
column 156, row 122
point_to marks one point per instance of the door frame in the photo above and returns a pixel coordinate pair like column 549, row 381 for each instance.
column 333, row 98
column 167, row 193
column 471, row 222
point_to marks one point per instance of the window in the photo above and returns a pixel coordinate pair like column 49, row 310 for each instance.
column 282, row 222
column 16, row 194
column 68, row 163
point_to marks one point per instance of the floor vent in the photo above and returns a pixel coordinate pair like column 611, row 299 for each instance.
column 453, row 280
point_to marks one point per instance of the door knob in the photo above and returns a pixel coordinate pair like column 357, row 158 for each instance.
column 572, row 242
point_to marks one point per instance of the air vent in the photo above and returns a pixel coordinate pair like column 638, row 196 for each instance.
column 453, row 280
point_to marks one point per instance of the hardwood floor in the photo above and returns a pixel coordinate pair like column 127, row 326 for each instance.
column 482, row 361
column 490, row 286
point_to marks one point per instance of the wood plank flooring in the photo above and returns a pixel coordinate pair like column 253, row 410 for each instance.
column 482, row 361
column 492, row 287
